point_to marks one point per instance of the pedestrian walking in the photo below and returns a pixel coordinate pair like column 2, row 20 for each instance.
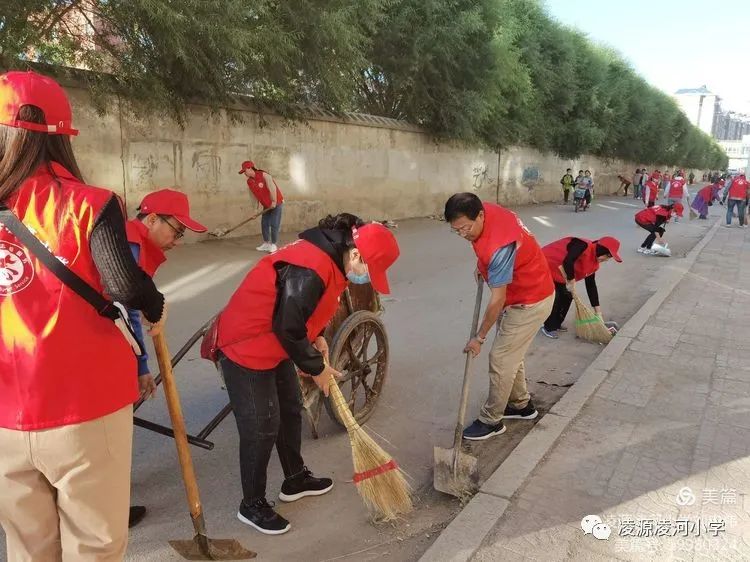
column 580, row 259
column 161, row 221
column 705, row 198
column 736, row 196
column 567, row 182
column 271, row 200
column 274, row 322
column 67, row 357
column 654, row 219
column 521, row 289
column 677, row 191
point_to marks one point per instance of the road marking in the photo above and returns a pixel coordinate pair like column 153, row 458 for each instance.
column 607, row 207
column 626, row 204
column 544, row 221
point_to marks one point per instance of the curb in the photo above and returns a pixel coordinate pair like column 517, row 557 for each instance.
column 460, row 540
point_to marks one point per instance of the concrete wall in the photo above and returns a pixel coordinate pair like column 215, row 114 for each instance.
column 376, row 168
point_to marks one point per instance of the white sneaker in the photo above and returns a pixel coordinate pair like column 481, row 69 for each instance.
column 263, row 247
column 641, row 250
column 272, row 248
column 648, row 252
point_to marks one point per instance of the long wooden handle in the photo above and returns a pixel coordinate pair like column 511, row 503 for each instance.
column 180, row 434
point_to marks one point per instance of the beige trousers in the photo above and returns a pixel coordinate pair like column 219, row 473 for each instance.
column 65, row 492
column 516, row 331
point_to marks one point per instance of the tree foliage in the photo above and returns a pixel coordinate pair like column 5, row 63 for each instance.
column 490, row 72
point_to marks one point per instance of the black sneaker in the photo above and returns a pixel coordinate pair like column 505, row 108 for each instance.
column 261, row 516
column 136, row 515
column 527, row 413
column 304, row 484
column 479, row 431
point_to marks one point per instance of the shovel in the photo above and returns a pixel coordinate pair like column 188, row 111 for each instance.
column 200, row 547
column 220, row 233
column 456, row 472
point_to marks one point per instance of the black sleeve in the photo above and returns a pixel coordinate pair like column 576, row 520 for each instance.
column 575, row 248
column 660, row 221
column 591, row 289
column 299, row 290
column 122, row 279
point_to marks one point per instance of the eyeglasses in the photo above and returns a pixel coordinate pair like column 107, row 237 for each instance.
column 463, row 229
column 178, row 233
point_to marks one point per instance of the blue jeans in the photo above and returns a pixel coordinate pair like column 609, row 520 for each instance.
column 270, row 223
column 740, row 204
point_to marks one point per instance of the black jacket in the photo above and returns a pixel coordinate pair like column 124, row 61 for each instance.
column 299, row 291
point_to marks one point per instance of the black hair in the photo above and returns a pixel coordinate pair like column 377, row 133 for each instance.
column 140, row 216
column 580, row 171
column 343, row 222
column 602, row 251
column 463, row 205
column 589, row 171
column 567, row 169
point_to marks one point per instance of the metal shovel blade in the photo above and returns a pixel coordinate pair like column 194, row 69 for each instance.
column 461, row 482
column 203, row 548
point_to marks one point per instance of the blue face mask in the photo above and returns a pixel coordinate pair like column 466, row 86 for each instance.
column 358, row 279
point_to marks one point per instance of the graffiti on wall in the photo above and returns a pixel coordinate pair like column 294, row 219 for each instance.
column 480, row 177
column 206, row 165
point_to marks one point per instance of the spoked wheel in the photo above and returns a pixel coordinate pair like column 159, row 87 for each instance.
column 360, row 353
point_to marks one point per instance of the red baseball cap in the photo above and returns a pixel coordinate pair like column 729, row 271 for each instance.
column 678, row 208
column 173, row 203
column 29, row 88
column 246, row 165
column 379, row 251
column 612, row 245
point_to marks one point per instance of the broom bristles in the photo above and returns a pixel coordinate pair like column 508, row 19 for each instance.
column 589, row 326
column 379, row 481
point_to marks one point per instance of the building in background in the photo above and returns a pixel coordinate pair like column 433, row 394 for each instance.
column 738, row 152
column 731, row 126
column 701, row 106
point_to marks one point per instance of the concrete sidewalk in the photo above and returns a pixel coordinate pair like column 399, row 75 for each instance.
column 659, row 451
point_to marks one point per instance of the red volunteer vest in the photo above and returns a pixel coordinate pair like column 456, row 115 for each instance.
column 707, row 193
column 245, row 333
column 648, row 216
column 532, row 281
column 261, row 191
column 585, row 265
column 676, row 189
column 738, row 189
column 60, row 362
column 150, row 256
column 652, row 191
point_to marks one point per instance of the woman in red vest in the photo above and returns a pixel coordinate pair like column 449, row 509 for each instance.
column 580, row 259
column 66, row 370
column 274, row 321
column 651, row 189
column 259, row 182
column 513, row 265
column 163, row 216
column 654, row 219
column 677, row 190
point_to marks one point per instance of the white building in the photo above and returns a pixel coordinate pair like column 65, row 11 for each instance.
column 738, row 152
column 701, row 106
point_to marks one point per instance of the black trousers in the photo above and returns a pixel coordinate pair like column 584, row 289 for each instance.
column 566, row 194
column 560, row 308
column 267, row 407
column 653, row 231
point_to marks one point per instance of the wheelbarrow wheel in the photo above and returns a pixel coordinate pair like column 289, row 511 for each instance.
column 360, row 353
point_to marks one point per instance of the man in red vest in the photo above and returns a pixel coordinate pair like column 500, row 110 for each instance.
column 162, row 219
column 651, row 189
column 677, row 190
column 579, row 259
column 274, row 322
column 513, row 265
column 737, row 197
column 259, row 182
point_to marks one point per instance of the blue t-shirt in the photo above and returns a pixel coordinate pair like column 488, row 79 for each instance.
column 500, row 270
column 135, row 322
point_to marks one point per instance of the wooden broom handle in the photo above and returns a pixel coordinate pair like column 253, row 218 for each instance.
column 178, row 426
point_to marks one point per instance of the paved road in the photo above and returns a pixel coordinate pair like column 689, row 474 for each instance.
column 662, row 446
column 427, row 319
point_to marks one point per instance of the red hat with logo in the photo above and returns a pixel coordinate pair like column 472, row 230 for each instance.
column 29, row 88
column 678, row 208
column 170, row 202
column 379, row 251
column 246, row 165
column 612, row 245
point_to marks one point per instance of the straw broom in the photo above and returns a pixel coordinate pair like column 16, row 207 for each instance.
column 378, row 478
column 589, row 325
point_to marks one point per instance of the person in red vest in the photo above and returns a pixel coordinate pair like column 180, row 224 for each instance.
column 737, row 197
column 259, row 182
column 654, row 219
column 162, row 219
column 677, row 191
column 66, row 382
column 651, row 189
column 580, row 259
column 705, row 198
column 274, row 321
column 511, row 262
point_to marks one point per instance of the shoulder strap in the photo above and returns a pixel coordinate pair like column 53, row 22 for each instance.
column 68, row 277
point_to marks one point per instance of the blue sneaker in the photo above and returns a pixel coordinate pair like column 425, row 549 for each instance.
column 479, row 431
